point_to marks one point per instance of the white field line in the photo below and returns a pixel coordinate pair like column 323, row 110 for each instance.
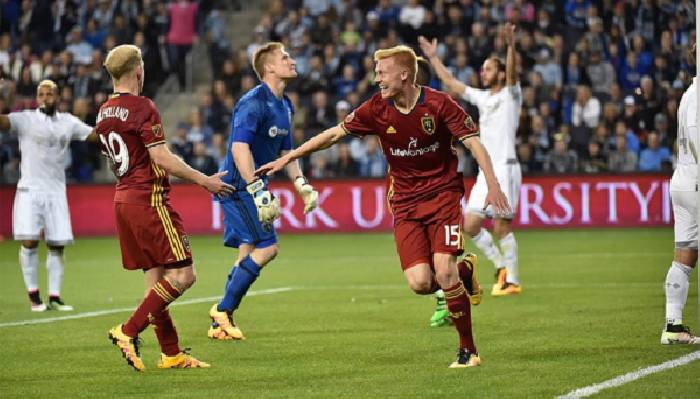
column 121, row 310
column 629, row 377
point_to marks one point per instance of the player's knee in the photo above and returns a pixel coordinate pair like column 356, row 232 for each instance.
column 420, row 287
column 265, row 255
column 472, row 227
column 29, row 244
column 184, row 278
column 56, row 249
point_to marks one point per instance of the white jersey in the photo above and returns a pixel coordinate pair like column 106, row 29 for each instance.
column 43, row 141
column 499, row 116
column 685, row 175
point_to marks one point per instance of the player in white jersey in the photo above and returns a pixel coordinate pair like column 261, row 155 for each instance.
column 684, row 189
column 499, row 113
column 40, row 201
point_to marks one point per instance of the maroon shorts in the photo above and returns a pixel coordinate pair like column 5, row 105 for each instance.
column 431, row 226
column 151, row 236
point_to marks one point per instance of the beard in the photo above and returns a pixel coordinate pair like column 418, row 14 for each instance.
column 48, row 109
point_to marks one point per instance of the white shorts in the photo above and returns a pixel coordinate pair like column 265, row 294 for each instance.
column 509, row 178
column 34, row 211
column 685, row 225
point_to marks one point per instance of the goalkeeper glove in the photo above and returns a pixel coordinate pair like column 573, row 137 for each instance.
column 307, row 193
column 268, row 206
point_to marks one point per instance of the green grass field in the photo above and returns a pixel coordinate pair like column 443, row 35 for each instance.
column 592, row 309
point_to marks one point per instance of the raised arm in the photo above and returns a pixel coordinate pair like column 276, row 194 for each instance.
column 511, row 74
column 321, row 141
column 164, row 158
column 494, row 196
column 454, row 86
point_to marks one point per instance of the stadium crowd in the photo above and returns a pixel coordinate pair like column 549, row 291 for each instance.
column 601, row 79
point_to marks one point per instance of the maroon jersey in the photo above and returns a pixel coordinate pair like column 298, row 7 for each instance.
column 127, row 126
column 417, row 145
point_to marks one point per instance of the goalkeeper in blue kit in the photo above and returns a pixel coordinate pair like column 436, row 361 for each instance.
column 261, row 131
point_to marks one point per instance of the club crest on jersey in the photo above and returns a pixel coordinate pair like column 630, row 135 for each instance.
column 186, row 243
column 157, row 130
column 350, row 117
column 428, row 124
column 469, row 123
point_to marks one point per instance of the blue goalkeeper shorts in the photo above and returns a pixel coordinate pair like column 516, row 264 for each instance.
column 241, row 224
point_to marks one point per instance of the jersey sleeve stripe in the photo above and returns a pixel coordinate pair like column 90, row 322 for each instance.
column 155, row 143
column 466, row 136
column 342, row 126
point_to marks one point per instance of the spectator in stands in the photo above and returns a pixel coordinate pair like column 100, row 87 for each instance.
column 202, row 161
column 322, row 114
column 79, row 48
column 622, row 159
column 372, row 163
column 548, row 68
column 527, row 161
column 561, row 159
column 586, row 109
column 594, row 161
column 180, row 145
column 181, row 36
column 653, row 158
column 600, row 73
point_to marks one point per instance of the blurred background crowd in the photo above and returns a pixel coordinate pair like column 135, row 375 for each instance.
column 601, row 80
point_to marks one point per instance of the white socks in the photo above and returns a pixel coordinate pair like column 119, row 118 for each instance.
column 676, row 292
column 29, row 261
column 54, row 266
column 510, row 258
column 485, row 243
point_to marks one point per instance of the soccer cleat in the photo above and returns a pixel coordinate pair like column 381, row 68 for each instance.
column 500, row 280
column 506, row 289
column 222, row 326
column 466, row 359
column 440, row 318
column 128, row 346
column 57, row 304
column 678, row 334
column 182, row 360
column 469, row 273
column 39, row 307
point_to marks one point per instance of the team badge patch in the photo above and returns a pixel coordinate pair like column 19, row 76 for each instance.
column 157, row 130
column 469, row 123
column 428, row 124
column 186, row 243
column 350, row 117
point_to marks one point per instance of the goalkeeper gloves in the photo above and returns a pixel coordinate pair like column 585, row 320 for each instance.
column 268, row 206
column 307, row 193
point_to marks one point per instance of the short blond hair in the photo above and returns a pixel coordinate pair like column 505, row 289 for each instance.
column 122, row 59
column 404, row 55
column 47, row 83
column 260, row 57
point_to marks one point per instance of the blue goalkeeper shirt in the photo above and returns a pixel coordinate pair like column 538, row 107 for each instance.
column 264, row 122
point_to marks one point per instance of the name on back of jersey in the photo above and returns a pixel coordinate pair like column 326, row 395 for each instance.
column 113, row 112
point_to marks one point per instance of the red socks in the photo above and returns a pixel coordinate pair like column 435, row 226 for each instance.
column 460, row 312
column 165, row 332
column 155, row 302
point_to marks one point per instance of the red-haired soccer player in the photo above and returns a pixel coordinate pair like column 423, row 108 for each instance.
column 417, row 127
column 150, row 231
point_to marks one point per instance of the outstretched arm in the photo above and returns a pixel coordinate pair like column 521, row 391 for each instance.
column 454, row 86
column 321, row 141
column 163, row 157
column 495, row 196
column 511, row 75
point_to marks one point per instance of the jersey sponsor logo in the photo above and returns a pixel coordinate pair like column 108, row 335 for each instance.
column 469, row 123
column 412, row 150
column 390, row 130
column 157, row 130
column 428, row 124
column 113, row 112
column 275, row 131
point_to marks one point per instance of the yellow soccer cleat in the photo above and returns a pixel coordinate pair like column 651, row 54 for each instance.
column 500, row 280
column 223, row 327
column 466, row 359
column 182, row 360
column 507, row 289
column 471, row 279
column 128, row 346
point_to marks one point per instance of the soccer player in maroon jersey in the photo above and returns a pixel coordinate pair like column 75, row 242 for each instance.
column 417, row 127
column 150, row 231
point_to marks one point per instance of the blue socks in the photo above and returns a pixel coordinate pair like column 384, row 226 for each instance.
column 240, row 279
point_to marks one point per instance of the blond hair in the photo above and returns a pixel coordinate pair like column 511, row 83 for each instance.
column 47, row 83
column 260, row 57
column 404, row 56
column 122, row 59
